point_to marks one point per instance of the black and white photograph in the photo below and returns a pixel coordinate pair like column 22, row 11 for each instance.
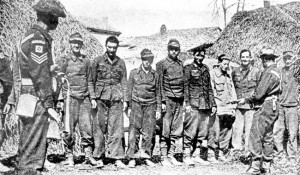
column 160, row 87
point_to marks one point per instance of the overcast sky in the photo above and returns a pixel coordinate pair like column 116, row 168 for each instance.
column 144, row 17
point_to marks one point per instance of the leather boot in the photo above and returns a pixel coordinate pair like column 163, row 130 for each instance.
column 266, row 167
column 254, row 168
column 89, row 159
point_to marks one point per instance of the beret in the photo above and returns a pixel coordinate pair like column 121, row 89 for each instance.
column 53, row 7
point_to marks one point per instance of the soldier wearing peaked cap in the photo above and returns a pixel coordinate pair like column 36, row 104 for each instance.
column 261, row 133
column 143, row 94
column 76, row 67
column 170, row 72
column 32, row 78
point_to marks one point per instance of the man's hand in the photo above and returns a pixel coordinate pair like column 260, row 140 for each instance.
column 213, row 110
column 94, row 103
column 125, row 106
column 188, row 109
column 54, row 67
column 241, row 101
column 163, row 107
column 157, row 115
column 7, row 108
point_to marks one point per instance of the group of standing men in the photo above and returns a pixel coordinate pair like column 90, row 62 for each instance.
column 223, row 106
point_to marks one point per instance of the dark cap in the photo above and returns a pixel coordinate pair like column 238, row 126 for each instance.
column 174, row 42
column 287, row 54
column 224, row 57
column 76, row 37
column 268, row 52
column 146, row 53
column 53, row 7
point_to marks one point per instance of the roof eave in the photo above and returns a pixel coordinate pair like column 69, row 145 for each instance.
column 109, row 32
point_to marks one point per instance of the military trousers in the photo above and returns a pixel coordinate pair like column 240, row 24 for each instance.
column 141, row 122
column 80, row 114
column 288, row 119
column 261, row 133
column 172, row 127
column 224, row 131
column 241, row 129
column 109, row 129
column 32, row 141
column 195, row 128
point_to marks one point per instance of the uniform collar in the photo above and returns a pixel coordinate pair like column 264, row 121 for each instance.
column 43, row 31
column 173, row 61
column 75, row 58
column 109, row 60
column 142, row 69
column 219, row 72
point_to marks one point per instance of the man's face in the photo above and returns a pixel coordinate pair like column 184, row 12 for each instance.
column 76, row 46
column 111, row 49
column 147, row 62
column 52, row 22
column 199, row 57
column 224, row 65
column 245, row 58
column 288, row 60
column 173, row 51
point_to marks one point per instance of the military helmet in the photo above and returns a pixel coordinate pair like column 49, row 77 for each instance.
column 53, row 7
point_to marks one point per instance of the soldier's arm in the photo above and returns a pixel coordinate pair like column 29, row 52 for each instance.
column 266, row 82
column 157, row 93
column 210, row 90
column 92, row 78
column 63, row 64
column 124, row 82
column 39, row 69
column 129, row 87
column 186, row 82
column 159, row 70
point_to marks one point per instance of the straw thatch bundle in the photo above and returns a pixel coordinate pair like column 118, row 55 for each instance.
column 16, row 17
column 277, row 27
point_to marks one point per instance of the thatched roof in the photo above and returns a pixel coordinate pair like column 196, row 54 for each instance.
column 277, row 27
column 98, row 25
column 17, row 17
column 188, row 38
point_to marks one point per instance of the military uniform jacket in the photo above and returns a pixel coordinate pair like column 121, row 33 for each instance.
column 290, row 88
column 224, row 91
column 197, row 87
column 33, row 66
column 245, row 81
column 268, row 85
column 108, row 79
column 170, row 78
column 143, row 87
column 77, row 71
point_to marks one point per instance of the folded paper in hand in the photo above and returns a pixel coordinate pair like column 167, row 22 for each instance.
column 26, row 105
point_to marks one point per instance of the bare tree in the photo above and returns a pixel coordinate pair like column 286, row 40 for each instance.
column 224, row 7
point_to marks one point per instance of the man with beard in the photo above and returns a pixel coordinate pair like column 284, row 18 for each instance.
column 261, row 133
column 224, row 94
column 288, row 118
column 107, row 87
column 76, row 68
column 170, row 72
column 200, row 106
column 32, row 78
column 5, row 89
column 245, row 79
column 143, row 94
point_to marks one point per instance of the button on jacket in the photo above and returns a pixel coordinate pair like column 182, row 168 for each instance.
column 107, row 79
column 224, row 91
column 77, row 72
column 170, row 78
column 245, row 81
column 143, row 87
column 197, row 87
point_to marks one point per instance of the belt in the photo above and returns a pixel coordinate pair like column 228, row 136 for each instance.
column 274, row 100
column 26, row 82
